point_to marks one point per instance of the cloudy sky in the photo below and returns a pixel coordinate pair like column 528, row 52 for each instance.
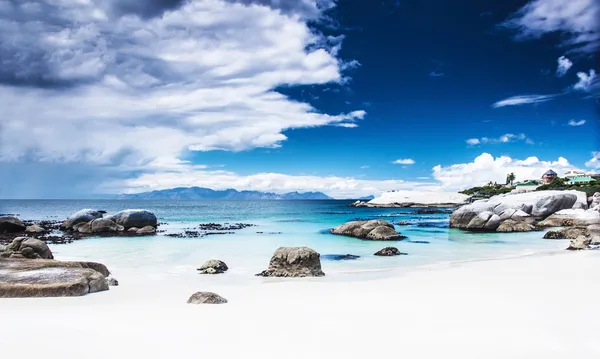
column 348, row 97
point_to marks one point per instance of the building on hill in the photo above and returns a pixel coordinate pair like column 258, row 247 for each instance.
column 574, row 173
column 579, row 180
column 527, row 186
column 549, row 176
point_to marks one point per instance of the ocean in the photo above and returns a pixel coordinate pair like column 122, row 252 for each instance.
column 275, row 223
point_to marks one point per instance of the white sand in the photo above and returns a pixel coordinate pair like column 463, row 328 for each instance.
column 420, row 197
column 542, row 306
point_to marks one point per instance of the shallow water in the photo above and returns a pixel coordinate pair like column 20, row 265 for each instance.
column 282, row 223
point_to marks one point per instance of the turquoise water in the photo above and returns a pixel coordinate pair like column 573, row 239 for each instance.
column 282, row 223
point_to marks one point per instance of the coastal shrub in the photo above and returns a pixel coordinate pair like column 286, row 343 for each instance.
column 560, row 184
column 487, row 191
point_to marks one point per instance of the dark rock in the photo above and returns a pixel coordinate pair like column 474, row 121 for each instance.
column 11, row 225
column 146, row 231
column 432, row 211
column 36, row 229
column 339, row 257
column 377, row 230
column 390, row 251
column 213, row 266
column 135, row 218
column 206, row 298
column 104, row 225
column 566, row 233
column 83, row 216
column 294, row 262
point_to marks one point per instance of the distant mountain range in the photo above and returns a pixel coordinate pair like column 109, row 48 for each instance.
column 199, row 193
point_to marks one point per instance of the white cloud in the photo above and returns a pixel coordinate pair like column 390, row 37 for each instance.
column 123, row 91
column 404, row 161
column 523, row 100
column 364, row 167
column 564, row 64
column 576, row 20
column 346, row 125
column 594, row 162
column 576, row 123
column 486, row 168
column 586, row 81
column 509, row 137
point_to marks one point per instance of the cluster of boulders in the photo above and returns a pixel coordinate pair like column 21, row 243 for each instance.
column 127, row 222
column 25, row 247
column 375, row 230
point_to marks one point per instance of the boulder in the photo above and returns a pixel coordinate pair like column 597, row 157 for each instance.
column 213, row 266
column 11, row 225
column 206, row 298
column 389, row 251
column 581, row 243
column 104, row 225
column 294, row 262
column 48, row 278
column 112, row 282
column 372, row 230
column 146, row 231
column 25, row 247
column 566, row 233
column 84, row 228
column 134, row 229
column 537, row 205
column 36, row 229
column 485, row 221
column 571, row 217
column 83, row 216
column 511, row 225
column 135, row 218
column 595, row 201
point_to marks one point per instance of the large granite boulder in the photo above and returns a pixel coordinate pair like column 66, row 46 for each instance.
column 206, row 298
column 389, row 252
column 213, row 266
column 104, row 225
column 11, row 225
column 571, row 217
column 294, row 262
column 135, row 218
column 375, row 230
column 534, row 205
column 25, row 247
column 511, row 225
column 83, row 216
column 48, row 278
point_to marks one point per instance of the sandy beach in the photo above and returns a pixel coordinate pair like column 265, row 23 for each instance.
column 527, row 307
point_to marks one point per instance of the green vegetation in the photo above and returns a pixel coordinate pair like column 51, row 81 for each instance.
column 487, row 191
column 510, row 178
column 560, row 184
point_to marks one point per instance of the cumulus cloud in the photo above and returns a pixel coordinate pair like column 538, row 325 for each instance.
column 594, row 162
column 576, row 123
column 523, row 100
column 506, row 138
column 122, row 83
column 564, row 64
column 576, row 20
column 586, row 81
column 404, row 161
column 486, row 168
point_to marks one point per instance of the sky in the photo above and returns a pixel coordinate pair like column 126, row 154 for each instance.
column 347, row 97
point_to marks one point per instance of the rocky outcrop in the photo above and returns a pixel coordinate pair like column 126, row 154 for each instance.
column 145, row 231
column 375, row 230
column 213, row 266
column 83, row 216
column 206, row 298
column 595, row 201
column 36, row 229
column 579, row 244
column 389, row 252
column 294, row 262
column 571, row 217
column 25, row 247
column 103, row 225
column 48, row 278
column 511, row 225
column 11, row 225
column 567, row 233
column 488, row 215
column 135, row 218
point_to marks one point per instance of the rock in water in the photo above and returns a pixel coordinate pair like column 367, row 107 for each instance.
column 35, row 228
column 104, row 225
column 25, row 247
column 389, row 251
column 206, row 298
column 213, row 266
column 135, row 218
column 579, row 244
column 510, row 225
column 145, row 231
column 375, row 230
column 486, row 221
column 11, row 225
column 48, row 278
column 340, row 257
column 83, row 216
column 294, row 262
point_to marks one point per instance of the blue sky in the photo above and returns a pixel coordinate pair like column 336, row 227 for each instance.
column 129, row 96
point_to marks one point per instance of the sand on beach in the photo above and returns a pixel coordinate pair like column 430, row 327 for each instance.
column 541, row 306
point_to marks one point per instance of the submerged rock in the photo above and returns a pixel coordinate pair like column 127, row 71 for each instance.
column 48, row 278
column 340, row 257
column 206, row 298
column 294, row 262
column 135, row 218
column 376, row 230
column 11, row 225
column 213, row 266
column 389, row 252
